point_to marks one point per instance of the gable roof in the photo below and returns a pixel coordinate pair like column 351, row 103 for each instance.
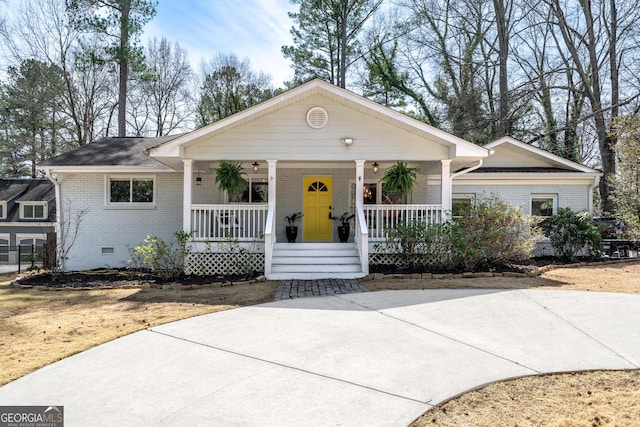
column 541, row 160
column 457, row 146
column 14, row 191
column 111, row 152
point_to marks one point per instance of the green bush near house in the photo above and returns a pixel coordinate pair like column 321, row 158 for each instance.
column 493, row 232
column 573, row 232
column 164, row 259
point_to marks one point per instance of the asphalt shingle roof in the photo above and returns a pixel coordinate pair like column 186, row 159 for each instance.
column 26, row 190
column 130, row 151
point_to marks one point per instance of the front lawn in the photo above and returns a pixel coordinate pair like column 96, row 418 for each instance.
column 40, row 327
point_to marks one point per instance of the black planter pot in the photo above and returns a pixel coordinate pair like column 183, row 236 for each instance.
column 292, row 233
column 343, row 233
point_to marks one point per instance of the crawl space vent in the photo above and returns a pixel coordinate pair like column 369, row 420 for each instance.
column 317, row 117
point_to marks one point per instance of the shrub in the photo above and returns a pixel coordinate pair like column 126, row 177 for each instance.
column 164, row 259
column 419, row 245
column 571, row 233
column 490, row 233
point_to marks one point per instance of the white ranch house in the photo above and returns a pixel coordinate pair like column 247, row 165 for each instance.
column 316, row 149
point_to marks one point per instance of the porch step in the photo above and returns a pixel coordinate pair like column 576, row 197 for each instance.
column 315, row 261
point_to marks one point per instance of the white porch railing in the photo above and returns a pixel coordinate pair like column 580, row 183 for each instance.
column 361, row 239
column 380, row 217
column 218, row 222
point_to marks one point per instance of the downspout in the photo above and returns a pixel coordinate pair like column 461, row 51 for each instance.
column 58, row 224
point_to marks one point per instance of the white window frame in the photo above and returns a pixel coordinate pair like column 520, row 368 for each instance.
column 553, row 197
column 467, row 196
column 258, row 178
column 130, row 204
column 3, row 210
column 45, row 210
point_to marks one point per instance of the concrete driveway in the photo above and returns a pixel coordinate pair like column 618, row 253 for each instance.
column 374, row 359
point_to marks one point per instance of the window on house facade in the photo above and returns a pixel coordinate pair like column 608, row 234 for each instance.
column 4, row 248
column 460, row 202
column 373, row 195
column 544, row 205
column 257, row 191
column 130, row 190
column 3, row 210
column 33, row 210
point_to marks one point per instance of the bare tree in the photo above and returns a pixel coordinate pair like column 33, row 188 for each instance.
column 163, row 90
column 41, row 29
column 597, row 37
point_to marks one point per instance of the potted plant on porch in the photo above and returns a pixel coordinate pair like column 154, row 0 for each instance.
column 292, row 229
column 344, row 229
column 230, row 178
column 399, row 179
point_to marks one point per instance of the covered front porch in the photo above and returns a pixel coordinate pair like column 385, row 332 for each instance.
column 254, row 228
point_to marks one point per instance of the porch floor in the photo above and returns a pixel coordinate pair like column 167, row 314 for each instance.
column 289, row 289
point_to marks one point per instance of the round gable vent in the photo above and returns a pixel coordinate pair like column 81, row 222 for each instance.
column 317, row 117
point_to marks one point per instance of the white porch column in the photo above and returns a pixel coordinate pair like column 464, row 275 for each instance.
column 272, row 184
column 186, row 194
column 359, row 182
column 446, row 189
column 270, row 226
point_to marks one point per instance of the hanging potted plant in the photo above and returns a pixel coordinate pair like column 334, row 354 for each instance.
column 230, row 178
column 291, row 229
column 344, row 229
column 399, row 179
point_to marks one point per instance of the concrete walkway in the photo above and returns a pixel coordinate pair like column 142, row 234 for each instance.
column 374, row 359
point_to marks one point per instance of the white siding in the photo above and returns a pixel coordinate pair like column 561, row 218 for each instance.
column 575, row 197
column 117, row 228
column 285, row 135
column 508, row 156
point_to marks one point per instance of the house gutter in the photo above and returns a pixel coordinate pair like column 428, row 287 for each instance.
column 467, row 170
column 58, row 225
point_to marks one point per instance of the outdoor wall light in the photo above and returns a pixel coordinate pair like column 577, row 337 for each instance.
column 376, row 167
column 256, row 167
column 199, row 180
column 348, row 141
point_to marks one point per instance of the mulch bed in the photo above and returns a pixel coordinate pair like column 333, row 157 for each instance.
column 101, row 278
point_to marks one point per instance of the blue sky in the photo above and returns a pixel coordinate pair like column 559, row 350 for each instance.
column 253, row 29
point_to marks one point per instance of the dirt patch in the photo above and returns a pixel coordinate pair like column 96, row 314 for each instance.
column 575, row 399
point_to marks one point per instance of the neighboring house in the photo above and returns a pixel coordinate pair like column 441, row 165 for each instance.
column 27, row 214
column 316, row 149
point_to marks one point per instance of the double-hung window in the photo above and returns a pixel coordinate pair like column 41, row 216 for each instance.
column 130, row 191
column 3, row 210
column 33, row 210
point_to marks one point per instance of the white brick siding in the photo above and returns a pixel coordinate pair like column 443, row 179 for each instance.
column 114, row 227
column 574, row 196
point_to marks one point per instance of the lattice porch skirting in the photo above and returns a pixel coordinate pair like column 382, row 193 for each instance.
column 213, row 263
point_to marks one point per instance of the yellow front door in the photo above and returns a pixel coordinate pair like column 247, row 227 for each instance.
column 317, row 206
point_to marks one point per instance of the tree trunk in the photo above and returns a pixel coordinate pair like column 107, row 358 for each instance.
column 124, row 69
column 503, row 56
